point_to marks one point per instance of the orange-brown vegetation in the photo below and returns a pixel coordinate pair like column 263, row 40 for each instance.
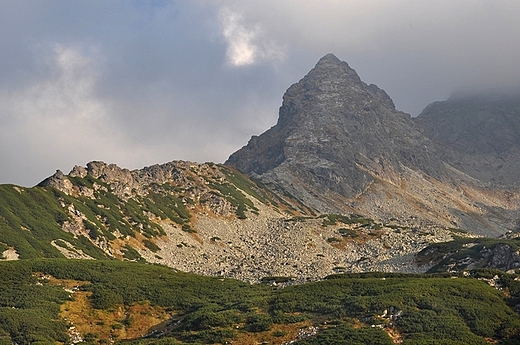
column 121, row 322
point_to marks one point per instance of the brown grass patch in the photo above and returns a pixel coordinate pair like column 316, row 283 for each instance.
column 290, row 330
column 393, row 333
column 196, row 238
column 121, row 322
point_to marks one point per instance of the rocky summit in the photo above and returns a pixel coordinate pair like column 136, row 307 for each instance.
column 341, row 146
column 333, row 135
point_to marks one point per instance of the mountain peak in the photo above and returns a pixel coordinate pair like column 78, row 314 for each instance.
column 334, row 134
column 329, row 58
column 329, row 68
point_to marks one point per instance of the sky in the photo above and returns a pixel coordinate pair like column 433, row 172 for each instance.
column 138, row 83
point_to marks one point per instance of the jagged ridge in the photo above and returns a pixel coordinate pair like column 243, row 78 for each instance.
column 202, row 218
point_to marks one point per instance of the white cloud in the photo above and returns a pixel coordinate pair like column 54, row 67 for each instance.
column 241, row 50
column 60, row 122
column 246, row 44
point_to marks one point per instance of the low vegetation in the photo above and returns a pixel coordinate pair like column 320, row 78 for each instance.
column 369, row 308
column 31, row 219
column 45, row 298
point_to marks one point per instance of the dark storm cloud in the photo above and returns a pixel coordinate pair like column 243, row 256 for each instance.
column 144, row 82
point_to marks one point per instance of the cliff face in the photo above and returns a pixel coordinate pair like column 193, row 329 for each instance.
column 334, row 133
column 340, row 145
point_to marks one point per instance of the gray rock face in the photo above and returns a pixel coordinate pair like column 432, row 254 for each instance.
column 481, row 135
column 341, row 146
column 334, row 133
column 501, row 256
column 59, row 181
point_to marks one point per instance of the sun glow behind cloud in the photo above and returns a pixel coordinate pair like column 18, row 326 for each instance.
column 246, row 44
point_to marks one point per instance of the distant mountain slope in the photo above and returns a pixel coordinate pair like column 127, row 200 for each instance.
column 483, row 133
column 341, row 146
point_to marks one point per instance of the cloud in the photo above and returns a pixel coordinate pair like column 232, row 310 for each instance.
column 246, row 44
column 417, row 51
column 138, row 83
column 59, row 120
column 241, row 50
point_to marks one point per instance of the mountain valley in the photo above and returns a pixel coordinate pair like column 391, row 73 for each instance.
column 309, row 232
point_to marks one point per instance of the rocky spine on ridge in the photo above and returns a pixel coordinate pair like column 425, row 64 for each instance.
column 202, row 218
column 334, row 134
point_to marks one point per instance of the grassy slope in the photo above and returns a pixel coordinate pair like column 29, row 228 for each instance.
column 31, row 218
column 429, row 309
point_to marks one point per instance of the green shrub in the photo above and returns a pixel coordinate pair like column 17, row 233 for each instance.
column 152, row 246
column 130, row 253
column 187, row 228
column 259, row 322
column 348, row 232
column 346, row 334
column 279, row 333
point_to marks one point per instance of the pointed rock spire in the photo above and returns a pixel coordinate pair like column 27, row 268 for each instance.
column 334, row 133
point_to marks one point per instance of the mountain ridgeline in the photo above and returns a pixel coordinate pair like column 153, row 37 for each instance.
column 341, row 146
column 342, row 182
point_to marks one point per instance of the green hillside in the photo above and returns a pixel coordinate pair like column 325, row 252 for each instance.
column 344, row 309
column 47, row 299
column 91, row 213
column 30, row 218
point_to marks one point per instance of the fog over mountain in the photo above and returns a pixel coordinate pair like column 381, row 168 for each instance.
column 139, row 83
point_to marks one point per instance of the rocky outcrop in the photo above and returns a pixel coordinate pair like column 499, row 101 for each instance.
column 59, row 181
column 502, row 256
